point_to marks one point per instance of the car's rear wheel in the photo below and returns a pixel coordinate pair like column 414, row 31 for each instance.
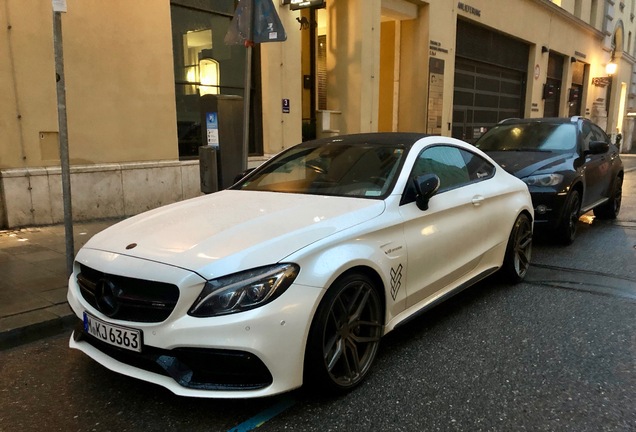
column 566, row 231
column 345, row 334
column 610, row 209
column 519, row 250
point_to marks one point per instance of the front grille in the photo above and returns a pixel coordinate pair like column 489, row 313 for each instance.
column 125, row 298
column 195, row 368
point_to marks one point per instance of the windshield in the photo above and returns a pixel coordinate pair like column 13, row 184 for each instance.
column 337, row 169
column 529, row 137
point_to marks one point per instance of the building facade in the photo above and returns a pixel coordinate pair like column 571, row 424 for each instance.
column 137, row 72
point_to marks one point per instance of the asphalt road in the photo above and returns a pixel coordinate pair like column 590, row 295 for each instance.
column 555, row 353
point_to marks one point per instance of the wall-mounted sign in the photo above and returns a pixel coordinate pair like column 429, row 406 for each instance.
column 537, row 71
column 303, row 4
column 286, row 106
column 601, row 81
column 436, row 47
column 435, row 96
column 468, row 9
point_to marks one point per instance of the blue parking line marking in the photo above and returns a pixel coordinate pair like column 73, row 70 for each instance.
column 264, row 416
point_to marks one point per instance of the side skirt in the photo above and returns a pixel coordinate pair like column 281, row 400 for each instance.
column 591, row 206
column 447, row 295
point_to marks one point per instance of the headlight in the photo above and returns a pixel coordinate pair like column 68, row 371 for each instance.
column 243, row 291
column 543, row 180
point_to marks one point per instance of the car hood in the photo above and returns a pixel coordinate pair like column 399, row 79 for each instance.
column 524, row 163
column 230, row 231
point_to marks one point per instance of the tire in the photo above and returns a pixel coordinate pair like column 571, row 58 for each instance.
column 566, row 231
column 609, row 210
column 345, row 335
column 519, row 250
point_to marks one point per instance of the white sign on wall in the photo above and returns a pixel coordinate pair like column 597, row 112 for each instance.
column 59, row 5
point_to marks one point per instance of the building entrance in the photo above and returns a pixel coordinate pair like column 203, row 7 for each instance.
column 552, row 90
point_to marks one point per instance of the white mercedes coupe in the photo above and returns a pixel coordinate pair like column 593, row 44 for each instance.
column 295, row 273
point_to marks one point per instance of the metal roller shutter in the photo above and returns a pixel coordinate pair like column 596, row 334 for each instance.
column 490, row 79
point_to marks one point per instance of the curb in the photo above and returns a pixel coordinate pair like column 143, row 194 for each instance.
column 27, row 326
column 36, row 331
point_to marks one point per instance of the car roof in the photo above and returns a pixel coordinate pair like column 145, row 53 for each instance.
column 406, row 139
column 552, row 120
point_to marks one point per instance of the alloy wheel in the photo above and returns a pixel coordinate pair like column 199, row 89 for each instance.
column 522, row 247
column 519, row 249
column 351, row 332
column 566, row 232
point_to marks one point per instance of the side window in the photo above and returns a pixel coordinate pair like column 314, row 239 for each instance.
column 447, row 162
column 591, row 132
column 586, row 134
column 599, row 135
column 455, row 167
column 478, row 167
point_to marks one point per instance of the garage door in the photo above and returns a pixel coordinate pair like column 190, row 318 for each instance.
column 484, row 94
column 490, row 79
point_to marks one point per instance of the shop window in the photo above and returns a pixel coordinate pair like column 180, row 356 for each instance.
column 204, row 64
column 201, row 69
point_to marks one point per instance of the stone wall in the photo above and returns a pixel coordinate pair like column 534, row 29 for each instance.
column 33, row 196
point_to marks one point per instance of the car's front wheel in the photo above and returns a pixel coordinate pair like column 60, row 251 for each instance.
column 519, row 250
column 566, row 231
column 610, row 209
column 345, row 334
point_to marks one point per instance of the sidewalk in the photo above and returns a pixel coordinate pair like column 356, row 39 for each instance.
column 33, row 278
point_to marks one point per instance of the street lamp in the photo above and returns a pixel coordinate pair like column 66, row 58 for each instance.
column 610, row 70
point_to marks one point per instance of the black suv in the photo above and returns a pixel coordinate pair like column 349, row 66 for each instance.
column 569, row 165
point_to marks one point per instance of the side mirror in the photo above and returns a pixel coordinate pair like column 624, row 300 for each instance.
column 598, row 147
column 426, row 186
column 239, row 176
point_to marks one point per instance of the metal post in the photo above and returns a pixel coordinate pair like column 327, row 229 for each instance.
column 313, row 106
column 63, row 134
column 246, row 105
column 248, row 81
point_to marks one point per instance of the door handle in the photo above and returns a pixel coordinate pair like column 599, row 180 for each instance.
column 477, row 200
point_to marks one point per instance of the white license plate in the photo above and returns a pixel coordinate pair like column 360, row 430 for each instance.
column 122, row 337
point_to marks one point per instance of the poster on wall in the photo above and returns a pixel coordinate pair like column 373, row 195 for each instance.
column 435, row 96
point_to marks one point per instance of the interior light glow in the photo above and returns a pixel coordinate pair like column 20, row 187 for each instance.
column 209, row 73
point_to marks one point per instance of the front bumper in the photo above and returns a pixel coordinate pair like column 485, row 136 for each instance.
column 193, row 368
column 548, row 208
column 250, row 354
